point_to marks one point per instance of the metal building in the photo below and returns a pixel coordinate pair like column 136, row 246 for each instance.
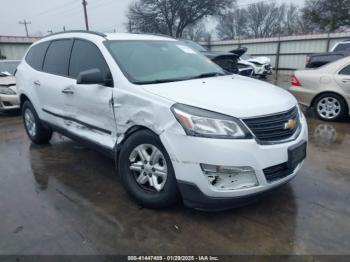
column 14, row 47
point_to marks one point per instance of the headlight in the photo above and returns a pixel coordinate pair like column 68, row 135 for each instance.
column 204, row 123
column 5, row 90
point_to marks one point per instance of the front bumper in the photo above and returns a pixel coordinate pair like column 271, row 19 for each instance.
column 188, row 152
column 9, row 102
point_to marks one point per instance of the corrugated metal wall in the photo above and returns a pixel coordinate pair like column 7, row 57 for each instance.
column 293, row 49
column 14, row 47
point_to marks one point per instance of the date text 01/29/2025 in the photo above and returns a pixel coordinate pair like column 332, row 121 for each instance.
column 173, row 258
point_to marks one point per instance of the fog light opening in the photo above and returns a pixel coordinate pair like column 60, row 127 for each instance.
column 230, row 177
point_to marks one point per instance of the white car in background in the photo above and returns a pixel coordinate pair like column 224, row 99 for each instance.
column 327, row 89
column 261, row 65
column 9, row 98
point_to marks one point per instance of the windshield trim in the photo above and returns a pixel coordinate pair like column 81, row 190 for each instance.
column 136, row 82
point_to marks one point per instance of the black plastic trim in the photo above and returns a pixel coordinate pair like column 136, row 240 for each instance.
column 79, row 122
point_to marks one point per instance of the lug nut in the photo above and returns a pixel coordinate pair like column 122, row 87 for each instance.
column 153, row 169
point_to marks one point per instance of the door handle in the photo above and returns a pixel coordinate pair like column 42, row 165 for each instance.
column 346, row 80
column 37, row 83
column 68, row 91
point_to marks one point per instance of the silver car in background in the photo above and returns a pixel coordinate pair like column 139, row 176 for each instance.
column 9, row 98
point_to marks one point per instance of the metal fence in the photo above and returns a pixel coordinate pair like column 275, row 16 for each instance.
column 286, row 53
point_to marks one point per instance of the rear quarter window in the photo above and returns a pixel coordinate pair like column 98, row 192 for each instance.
column 345, row 71
column 36, row 54
column 57, row 57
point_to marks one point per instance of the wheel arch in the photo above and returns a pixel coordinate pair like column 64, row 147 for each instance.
column 23, row 98
column 127, row 134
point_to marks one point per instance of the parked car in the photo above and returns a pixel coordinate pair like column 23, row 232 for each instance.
column 174, row 122
column 327, row 89
column 9, row 98
column 339, row 51
column 261, row 65
column 229, row 61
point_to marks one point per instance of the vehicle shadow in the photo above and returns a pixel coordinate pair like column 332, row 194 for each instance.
column 84, row 185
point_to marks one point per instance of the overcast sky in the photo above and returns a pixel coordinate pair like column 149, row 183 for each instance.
column 45, row 15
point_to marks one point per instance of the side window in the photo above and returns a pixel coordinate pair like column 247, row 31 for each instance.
column 57, row 57
column 85, row 56
column 36, row 54
column 345, row 71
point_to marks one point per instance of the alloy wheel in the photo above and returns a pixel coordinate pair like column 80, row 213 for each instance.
column 328, row 108
column 29, row 120
column 148, row 165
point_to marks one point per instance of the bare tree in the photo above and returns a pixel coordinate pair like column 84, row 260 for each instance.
column 264, row 19
column 196, row 32
column 232, row 24
column 327, row 16
column 171, row 17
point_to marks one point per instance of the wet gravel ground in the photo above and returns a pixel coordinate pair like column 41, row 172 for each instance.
column 66, row 199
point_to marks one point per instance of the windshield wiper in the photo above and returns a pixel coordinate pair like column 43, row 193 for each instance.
column 210, row 74
column 160, row 81
column 157, row 81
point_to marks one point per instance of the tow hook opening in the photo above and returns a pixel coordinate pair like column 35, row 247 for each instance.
column 229, row 177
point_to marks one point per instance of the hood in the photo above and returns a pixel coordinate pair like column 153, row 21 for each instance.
column 261, row 60
column 230, row 95
column 7, row 80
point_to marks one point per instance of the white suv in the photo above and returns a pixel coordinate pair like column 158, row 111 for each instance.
column 174, row 123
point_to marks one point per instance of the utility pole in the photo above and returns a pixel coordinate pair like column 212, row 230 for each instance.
column 25, row 23
column 85, row 15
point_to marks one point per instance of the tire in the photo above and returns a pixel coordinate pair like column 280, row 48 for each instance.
column 143, row 192
column 330, row 107
column 36, row 131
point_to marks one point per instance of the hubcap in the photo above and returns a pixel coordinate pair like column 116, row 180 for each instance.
column 30, row 122
column 148, row 165
column 328, row 107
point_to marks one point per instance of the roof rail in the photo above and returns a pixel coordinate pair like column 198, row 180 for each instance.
column 77, row 31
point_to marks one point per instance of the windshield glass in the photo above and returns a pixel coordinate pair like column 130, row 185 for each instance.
column 194, row 45
column 151, row 61
column 8, row 66
column 342, row 47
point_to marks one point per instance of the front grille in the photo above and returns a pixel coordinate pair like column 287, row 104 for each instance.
column 277, row 172
column 274, row 128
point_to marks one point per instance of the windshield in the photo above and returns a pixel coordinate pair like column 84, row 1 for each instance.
column 145, row 62
column 194, row 45
column 8, row 66
column 342, row 47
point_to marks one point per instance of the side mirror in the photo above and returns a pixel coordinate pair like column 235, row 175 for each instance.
column 93, row 76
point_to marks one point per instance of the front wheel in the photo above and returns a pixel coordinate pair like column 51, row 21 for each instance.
column 330, row 107
column 147, row 172
column 36, row 131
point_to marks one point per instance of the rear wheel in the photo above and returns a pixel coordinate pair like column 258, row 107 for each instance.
column 36, row 131
column 146, row 171
column 330, row 107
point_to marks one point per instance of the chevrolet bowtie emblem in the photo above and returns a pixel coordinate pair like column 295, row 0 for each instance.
column 291, row 124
